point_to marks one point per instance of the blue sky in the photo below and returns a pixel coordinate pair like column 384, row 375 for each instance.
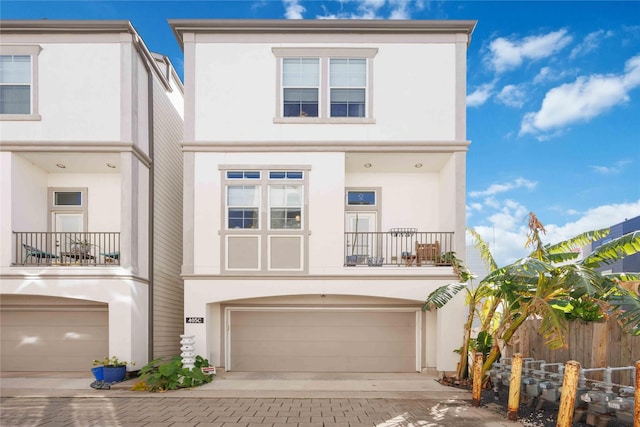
column 553, row 98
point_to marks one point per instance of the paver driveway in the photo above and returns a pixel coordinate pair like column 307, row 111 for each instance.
column 246, row 412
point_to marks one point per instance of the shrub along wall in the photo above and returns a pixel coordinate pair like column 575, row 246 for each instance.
column 593, row 344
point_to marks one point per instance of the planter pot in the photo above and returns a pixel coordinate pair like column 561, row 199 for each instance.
column 114, row 374
column 352, row 260
column 98, row 373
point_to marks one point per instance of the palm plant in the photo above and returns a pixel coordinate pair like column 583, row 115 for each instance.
column 550, row 279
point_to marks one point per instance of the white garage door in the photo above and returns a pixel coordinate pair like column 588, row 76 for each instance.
column 52, row 334
column 322, row 341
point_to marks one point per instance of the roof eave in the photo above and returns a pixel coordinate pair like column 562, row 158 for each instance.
column 319, row 26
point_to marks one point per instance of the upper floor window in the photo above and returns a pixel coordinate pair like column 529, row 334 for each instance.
column 300, row 86
column 324, row 85
column 348, row 83
column 18, row 82
column 15, row 84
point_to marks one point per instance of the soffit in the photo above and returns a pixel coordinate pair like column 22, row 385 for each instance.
column 75, row 162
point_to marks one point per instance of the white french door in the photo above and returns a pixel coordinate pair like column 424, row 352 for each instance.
column 362, row 242
column 67, row 222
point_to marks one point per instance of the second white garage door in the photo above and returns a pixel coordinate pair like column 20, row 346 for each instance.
column 322, row 341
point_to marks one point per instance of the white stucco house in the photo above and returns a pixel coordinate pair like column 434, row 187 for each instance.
column 324, row 178
column 91, row 189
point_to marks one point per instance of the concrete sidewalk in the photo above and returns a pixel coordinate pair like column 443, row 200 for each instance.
column 250, row 400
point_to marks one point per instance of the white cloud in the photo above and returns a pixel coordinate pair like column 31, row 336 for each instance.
column 371, row 9
column 583, row 99
column 480, row 95
column 293, row 9
column 543, row 75
column 593, row 219
column 504, row 187
column 508, row 54
column 590, row 43
column 368, row 9
column 616, row 168
column 507, row 228
column 512, row 96
column 400, row 9
column 548, row 74
column 506, row 233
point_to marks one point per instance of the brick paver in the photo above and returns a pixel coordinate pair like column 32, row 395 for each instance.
column 217, row 412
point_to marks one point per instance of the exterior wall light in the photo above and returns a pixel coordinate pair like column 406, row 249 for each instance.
column 367, row 165
column 418, row 165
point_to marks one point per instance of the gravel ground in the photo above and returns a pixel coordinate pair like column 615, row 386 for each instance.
column 546, row 417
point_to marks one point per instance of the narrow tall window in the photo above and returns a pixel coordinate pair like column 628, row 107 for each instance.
column 300, row 83
column 15, row 84
column 348, row 82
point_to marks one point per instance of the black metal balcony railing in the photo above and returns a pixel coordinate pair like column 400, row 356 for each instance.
column 399, row 246
column 71, row 249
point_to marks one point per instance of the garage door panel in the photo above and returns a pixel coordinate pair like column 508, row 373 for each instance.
column 51, row 347
column 52, row 364
column 313, row 318
column 49, row 318
column 51, row 333
column 325, row 364
column 321, row 333
column 69, row 338
column 322, row 349
column 323, row 341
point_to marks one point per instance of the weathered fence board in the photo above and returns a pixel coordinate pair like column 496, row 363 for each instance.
column 594, row 345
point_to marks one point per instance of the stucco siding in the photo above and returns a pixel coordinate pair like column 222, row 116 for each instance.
column 414, row 102
column 79, row 100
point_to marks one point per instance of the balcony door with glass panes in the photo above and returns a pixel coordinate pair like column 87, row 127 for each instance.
column 362, row 213
column 68, row 214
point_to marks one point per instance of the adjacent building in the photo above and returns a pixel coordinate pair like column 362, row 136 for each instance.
column 91, row 184
column 629, row 264
column 324, row 192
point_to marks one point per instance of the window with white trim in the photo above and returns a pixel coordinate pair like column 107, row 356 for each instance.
column 285, row 207
column 15, row 84
column 324, row 85
column 19, row 82
column 265, row 224
column 300, row 87
column 243, row 206
column 348, row 86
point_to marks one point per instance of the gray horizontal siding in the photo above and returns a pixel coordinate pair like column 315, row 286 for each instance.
column 168, row 295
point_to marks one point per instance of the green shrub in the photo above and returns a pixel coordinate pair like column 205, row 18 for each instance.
column 162, row 376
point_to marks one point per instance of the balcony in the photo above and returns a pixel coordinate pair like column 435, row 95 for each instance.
column 402, row 247
column 82, row 249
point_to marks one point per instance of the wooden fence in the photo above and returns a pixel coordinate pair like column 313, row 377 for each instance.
column 594, row 345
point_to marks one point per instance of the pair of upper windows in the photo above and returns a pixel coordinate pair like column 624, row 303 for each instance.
column 15, row 84
column 301, row 87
